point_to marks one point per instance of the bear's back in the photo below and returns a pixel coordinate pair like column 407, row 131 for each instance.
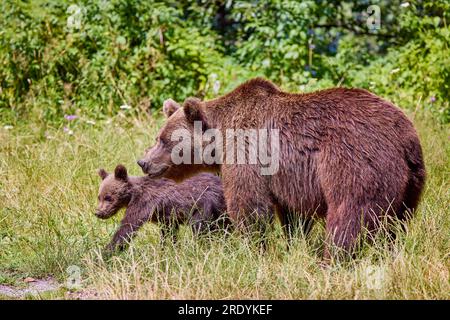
column 259, row 104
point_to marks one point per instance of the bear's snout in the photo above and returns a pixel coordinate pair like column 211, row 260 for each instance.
column 101, row 214
column 152, row 169
column 143, row 165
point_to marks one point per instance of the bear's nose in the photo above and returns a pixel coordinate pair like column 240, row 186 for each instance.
column 141, row 164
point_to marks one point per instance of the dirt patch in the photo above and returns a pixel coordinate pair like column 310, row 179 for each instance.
column 86, row 294
column 33, row 287
column 36, row 287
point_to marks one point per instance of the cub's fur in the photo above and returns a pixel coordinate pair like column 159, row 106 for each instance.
column 197, row 201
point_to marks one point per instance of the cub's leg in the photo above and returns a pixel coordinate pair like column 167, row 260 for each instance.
column 169, row 232
column 168, row 220
column 201, row 220
column 128, row 228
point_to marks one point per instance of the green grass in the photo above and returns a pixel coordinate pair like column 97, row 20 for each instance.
column 48, row 189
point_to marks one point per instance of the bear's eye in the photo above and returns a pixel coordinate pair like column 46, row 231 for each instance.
column 107, row 198
column 162, row 142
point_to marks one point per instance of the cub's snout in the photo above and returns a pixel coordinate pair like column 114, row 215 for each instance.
column 101, row 215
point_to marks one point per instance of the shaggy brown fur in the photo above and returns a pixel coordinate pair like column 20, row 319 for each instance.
column 198, row 201
column 346, row 155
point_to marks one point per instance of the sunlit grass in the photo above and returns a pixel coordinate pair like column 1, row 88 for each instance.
column 48, row 189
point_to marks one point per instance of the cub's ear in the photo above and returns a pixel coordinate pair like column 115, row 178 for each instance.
column 102, row 173
column 120, row 173
column 169, row 107
column 193, row 110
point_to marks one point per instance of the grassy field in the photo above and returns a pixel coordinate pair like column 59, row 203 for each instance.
column 48, row 190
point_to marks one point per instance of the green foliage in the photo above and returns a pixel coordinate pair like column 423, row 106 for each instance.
column 415, row 74
column 276, row 37
column 91, row 58
column 97, row 56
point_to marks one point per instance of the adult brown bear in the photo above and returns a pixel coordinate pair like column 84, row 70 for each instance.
column 344, row 154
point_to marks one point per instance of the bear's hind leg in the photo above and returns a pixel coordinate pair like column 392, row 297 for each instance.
column 345, row 226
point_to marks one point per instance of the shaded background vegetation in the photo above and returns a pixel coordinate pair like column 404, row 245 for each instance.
column 91, row 57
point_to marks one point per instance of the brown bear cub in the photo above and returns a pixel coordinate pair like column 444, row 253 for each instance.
column 345, row 155
column 198, row 201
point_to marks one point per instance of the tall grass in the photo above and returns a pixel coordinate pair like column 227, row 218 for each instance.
column 48, row 189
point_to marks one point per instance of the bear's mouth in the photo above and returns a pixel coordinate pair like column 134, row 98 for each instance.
column 103, row 215
column 156, row 171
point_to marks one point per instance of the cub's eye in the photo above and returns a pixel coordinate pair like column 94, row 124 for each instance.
column 107, row 198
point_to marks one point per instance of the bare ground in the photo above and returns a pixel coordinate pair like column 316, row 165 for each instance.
column 33, row 287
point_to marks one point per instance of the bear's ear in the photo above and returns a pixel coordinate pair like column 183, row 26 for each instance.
column 102, row 173
column 169, row 107
column 120, row 173
column 193, row 111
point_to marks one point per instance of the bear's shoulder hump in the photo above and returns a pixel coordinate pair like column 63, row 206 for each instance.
column 257, row 84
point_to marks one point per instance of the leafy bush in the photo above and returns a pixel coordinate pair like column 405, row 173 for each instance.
column 58, row 58
column 415, row 73
column 100, row 55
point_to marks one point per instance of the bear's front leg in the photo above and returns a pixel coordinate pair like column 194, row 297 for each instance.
column 128, row 227
column 294, row 223
column 248, row 200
